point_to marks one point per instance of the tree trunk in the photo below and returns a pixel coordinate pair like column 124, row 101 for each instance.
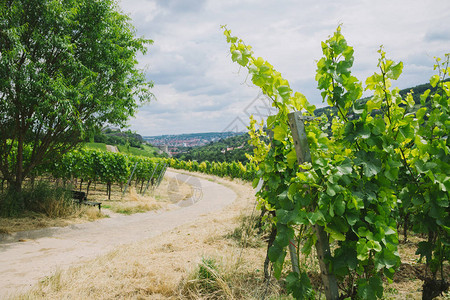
column 433, row 288
column 272, row 236
column 260, row 220
column 405, row 228
column 109, row 190
column 32, row 181
column 16, row 185
column 142, row 185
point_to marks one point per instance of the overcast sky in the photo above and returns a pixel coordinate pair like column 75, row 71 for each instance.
column 199, row 89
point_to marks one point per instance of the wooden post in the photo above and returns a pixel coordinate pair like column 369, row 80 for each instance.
column 294, row 257
column 322, row 245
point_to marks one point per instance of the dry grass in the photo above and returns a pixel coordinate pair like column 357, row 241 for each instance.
column 169, row 192
column 32, row 221
column 166, row 267
column 247, row 234
column 197, row 261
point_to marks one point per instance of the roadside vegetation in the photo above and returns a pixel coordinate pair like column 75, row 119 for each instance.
column 49, row 205
column 45, row 206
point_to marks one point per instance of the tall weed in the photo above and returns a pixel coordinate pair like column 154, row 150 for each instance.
column 53, row 202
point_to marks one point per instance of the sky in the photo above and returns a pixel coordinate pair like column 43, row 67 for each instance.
column 199, row 89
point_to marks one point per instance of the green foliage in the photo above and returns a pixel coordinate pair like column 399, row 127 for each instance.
column 95, row 146
column 299, row 286
column 207, row 276
column 66, row 68
column 232, row 169
column 225, row 150
column 100, row 166
column 425, row 189
column 206, row 268
column 369, row 161
column 145, row 151
column 118, row 137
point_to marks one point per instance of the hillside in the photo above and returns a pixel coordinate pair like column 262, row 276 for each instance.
column 127, row 142
column 226, row 149
column 189, row 139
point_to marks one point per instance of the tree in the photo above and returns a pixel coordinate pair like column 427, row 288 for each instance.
column 66, row 68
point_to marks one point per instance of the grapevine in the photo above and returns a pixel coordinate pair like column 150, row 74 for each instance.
column 359, row 161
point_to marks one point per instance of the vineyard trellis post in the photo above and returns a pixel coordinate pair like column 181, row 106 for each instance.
column 163, row 171
column 296, row 123
column 150, row 179
column 162, row 174
column 129, row 179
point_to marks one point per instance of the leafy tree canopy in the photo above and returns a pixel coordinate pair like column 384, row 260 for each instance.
column 66, row 68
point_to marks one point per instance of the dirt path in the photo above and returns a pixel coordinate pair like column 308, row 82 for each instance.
column 111, row 148
column 29, row 256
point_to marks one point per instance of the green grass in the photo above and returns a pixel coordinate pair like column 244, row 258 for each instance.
column 151, row 149
column 147, row 151
column 96, row 146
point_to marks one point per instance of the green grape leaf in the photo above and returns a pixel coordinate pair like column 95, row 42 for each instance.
column 339, row 207
column 284, row 91
column 335, row 234
column 395, row 71
column 345, row 168
column 332, row 189
column 279, row 133
column 362, row 250
column 358, row 107
column 271, row 121
column 352, row 218
column 370, row 289
column 434, row 80
column 291, row 158
column 277, row 255
column 424, row 97
column 299, row 286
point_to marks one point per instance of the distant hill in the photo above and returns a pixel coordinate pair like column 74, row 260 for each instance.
column 189, row 139
column 228, row 149
column 114, row 136
column 127, row 142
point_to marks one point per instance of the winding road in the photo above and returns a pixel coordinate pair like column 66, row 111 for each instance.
column 26, row 257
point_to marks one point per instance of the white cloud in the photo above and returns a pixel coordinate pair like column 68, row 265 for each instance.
column 200, row 89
